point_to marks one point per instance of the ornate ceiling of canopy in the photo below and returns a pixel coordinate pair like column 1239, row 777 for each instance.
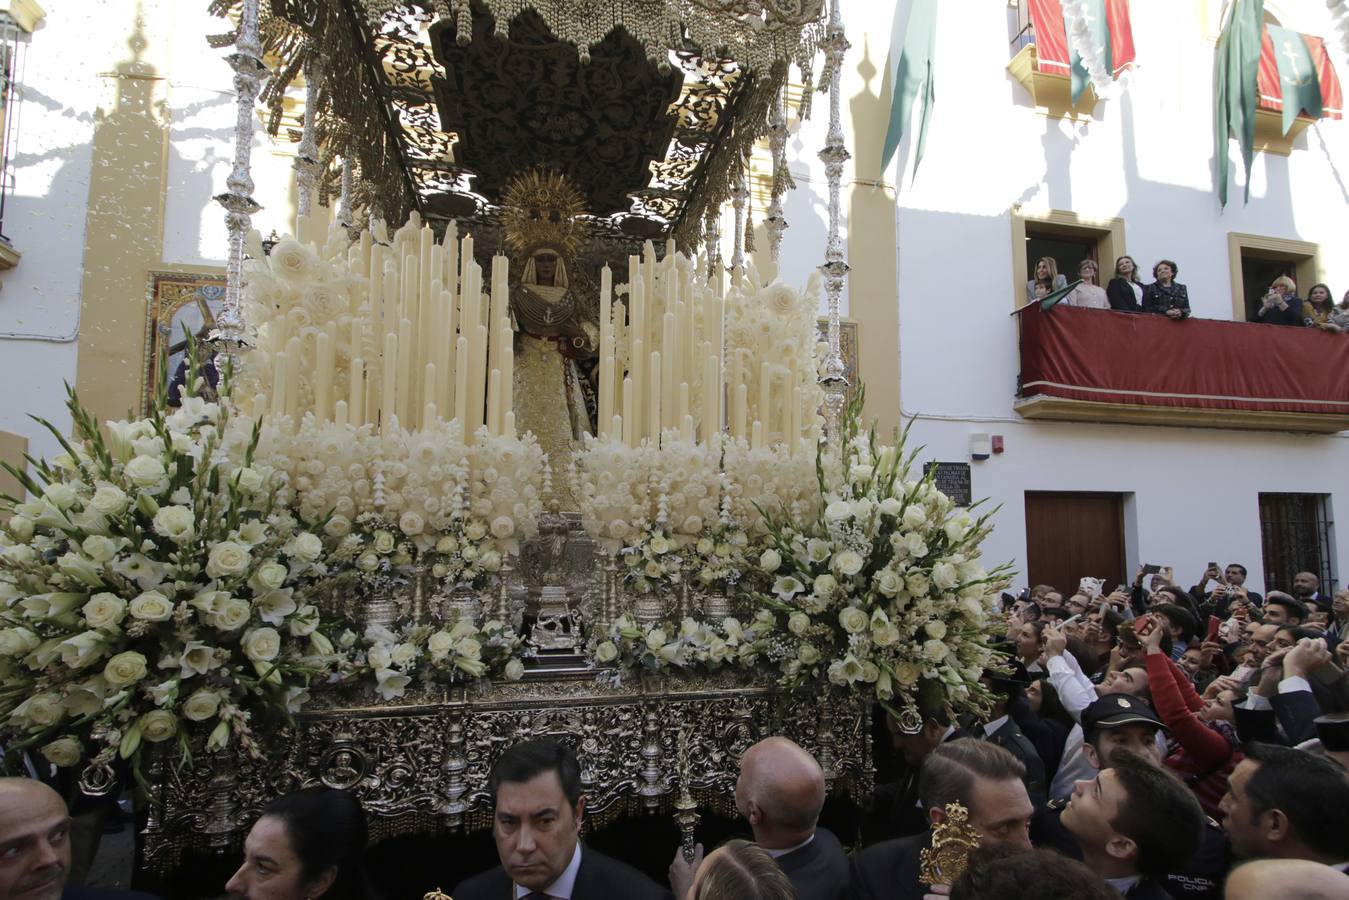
column 441, row 101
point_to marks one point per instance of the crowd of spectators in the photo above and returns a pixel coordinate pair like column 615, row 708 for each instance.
column 1152, row 742
column 1165, row 296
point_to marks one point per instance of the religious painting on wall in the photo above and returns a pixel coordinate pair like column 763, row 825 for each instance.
column 176, row 302
column 847, row 348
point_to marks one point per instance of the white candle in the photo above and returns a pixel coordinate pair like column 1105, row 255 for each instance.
column 406, row 412
column 494, row 403
column 390, row 381
column 507, row 370
column 629, row 432
column 340, row 413
column 756, row 436
column 711, row 397
column 741, row 403
column 764, row 413
column 356, row 392
column 615, row 429
column 460, row 410
column 686, row 429
column 323, row 390
column 607, row 380
column 794, row 432
column 654, row 410
column 279, row 378
column 429, row 390
column 477, row 378
column 667, row 374
column 294, row 366
column 637, row 366
column 428, row 416
column 682, row 401
column 510, row 423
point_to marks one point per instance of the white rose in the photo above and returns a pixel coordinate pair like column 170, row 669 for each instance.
column 825, row 585
column 367, row 562
column 60, row 495
column 888, row 582
column 770, row 561
column 914, row 517
column 515, row 670
column 261, row 644
column 885, row 635
column 907, row 673
column 151, row 606
column 935, row 629
column 808, row 654
column 177, row 523
column 202, row 705
column 380, row 656
column 231, row 613
column 917, row 584
column 228, row 559
column 125, row 669
column 108, row 499
column 274, row 606
column 104, row 610
column 853, row 620
column 944, row 576
column 18, row 642
column 158, row 725
column 403, row 655
column 147, row 473
column 63, row 752
column 891, row 506
column 438, row 645
column 491, row 561
column 337, row 526
column 305, row 621
column 305, row 546
column 656, row 638
column 475, row 530
column 659, row 545
column 99, row 548
column 848, row 562
column 606, row 652
column 411, row 523
column 916, row 545
column 384, row 541
column 268, row 577
column 249, row 480
column 935, row 650
column 838, row 510
column 503, row 527
column 798, row 623
column 21, row 528
column 861, row 508
column 40, row 710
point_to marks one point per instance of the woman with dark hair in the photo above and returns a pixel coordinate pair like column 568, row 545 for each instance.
column 1046, row 270
column 1319, row 308
column 305, row 845
column 1125, row 291
column 1042, row 718
column 1166, row 296
column 740, row 870
column 1030, row 645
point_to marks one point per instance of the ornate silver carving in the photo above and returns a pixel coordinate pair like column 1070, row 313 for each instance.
column 229, row 335
column 835, row 267
column 739, row 196
column 776, row 222
column 307, row 163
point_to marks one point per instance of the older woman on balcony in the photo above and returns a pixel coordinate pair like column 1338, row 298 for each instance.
column 1166, row 296
column 1281, row 305
column 1088, row 293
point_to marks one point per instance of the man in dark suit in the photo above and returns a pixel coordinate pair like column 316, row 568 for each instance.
column 1007, row 687
column 1135, row 823
column 780, row 792
column 35, row 846
column 982, row 777
column 894, row 810
column 536, row 789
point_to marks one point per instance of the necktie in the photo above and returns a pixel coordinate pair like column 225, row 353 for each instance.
column 537, row 895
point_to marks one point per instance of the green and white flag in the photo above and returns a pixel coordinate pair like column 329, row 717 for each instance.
column 913, row 76
column 1099, row 26
column 1236, row 68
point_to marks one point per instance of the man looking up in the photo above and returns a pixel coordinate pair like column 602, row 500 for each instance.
column 536, row 789
column 1288, row 804
column 1135, row 823
column 780, row 792
column 982, row 777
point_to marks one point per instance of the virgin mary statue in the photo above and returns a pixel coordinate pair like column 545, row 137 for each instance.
column 551, row 332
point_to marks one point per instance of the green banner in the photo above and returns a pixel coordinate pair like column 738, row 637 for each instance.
column 1297, row 75
column 1100, row 38
column 1236, row 67
column 913, row 75
column 1049, row 301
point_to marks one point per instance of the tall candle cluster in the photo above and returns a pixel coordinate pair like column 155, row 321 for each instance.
column 425, row 343
column 668, row 370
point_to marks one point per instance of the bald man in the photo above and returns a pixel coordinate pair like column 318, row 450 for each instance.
column 35, row 846
column 1288, row 879
column 780, row 792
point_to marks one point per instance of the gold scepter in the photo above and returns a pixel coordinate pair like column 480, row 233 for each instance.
column 952, row 842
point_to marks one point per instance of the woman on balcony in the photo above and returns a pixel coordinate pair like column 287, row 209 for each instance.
column 1281, row 305
column 1320, row 309
column 1166, row 296
column 1046, row 269
column 1339, row 317
column 1125, row 291
column 1088, row 293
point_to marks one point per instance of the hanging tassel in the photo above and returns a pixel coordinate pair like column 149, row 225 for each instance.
column 749, row 228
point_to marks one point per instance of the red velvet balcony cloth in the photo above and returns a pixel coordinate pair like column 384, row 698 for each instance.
column 1149, row 360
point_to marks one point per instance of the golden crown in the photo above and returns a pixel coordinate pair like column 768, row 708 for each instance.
column 541, row 208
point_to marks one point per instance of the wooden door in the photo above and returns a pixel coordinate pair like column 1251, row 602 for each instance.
column 1070, row 534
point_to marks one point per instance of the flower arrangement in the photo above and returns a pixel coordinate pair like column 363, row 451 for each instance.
column 151, row 587
column 883, row 592
column 463, row 650
column 686, row 644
